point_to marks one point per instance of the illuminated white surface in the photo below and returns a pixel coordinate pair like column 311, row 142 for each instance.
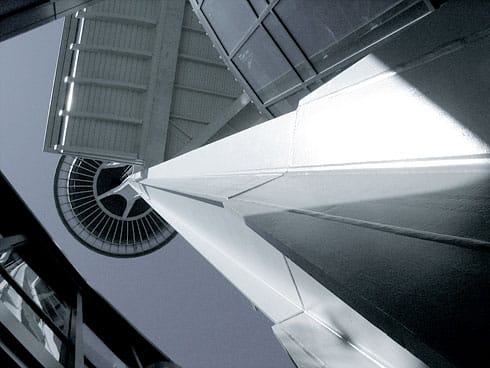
column 354, row 140
column 243, row 257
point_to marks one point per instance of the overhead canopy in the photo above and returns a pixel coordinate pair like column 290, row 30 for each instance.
column 140, row 82
column 281, row 50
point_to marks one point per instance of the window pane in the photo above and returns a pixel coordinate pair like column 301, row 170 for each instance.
column 329, row 21
column 264, row 67
column 229, row 19
column 36, row 288
column 390, row 22
column 288, row 46
column 34, row 324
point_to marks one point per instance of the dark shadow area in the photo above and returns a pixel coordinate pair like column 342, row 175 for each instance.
column 431, row 296
column 11, row 6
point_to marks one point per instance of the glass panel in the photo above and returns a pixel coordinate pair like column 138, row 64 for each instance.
column 288, row 46
column 24, row 314
column 264, row 67
column 36, row 288
column 99, row 353
column 390, row 22
column 229, row 19
column 329, row 21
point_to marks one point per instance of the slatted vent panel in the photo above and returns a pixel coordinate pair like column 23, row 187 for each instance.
column 104, row 92
column 203, row 86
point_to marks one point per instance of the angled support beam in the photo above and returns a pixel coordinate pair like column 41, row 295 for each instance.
column 107, row 83
column 201, row 60
column 205, row 91
column 213, row 127
column 117, row 18
column 112, row 50
column 136, row 357
column 164, row 68
column 11, row 242
column 193, row 29
column 78, row 333
column 103, row 117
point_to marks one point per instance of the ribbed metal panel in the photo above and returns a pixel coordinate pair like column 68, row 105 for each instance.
column 107, row 87
column 203, row 87
column 116, row 108
column 139, row 81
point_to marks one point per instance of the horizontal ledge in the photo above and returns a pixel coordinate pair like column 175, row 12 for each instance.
column 107, row 83
column 188, row 118
column 193, row 29
column 459, row 241
column 202, row 60
column 188, row 195
column 206, row 91
column 111, row 50
column 117, row 18
column 101, row 154
column 95, row 116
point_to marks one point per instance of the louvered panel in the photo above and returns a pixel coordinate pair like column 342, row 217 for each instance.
column 196, row 105
column 104, row 96
column 141, row 8
column 113, row 67
column 138, row 79
column 107, row 100
column 175, row 141
column 197, row 43
column 204, row 76
column 118, row 35
column 105, row 135
column 206, row 96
